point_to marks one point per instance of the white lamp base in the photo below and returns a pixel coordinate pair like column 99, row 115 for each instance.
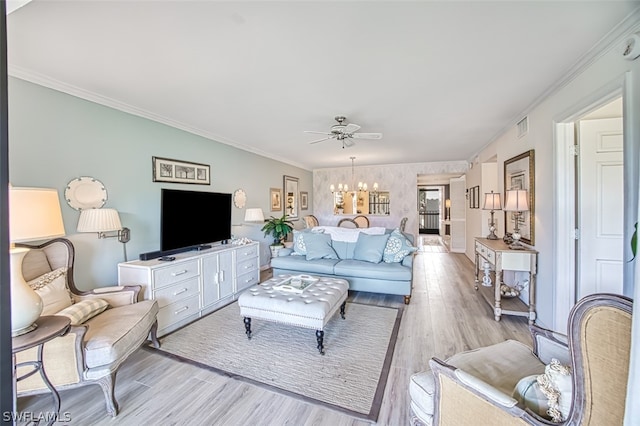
column 26, row 305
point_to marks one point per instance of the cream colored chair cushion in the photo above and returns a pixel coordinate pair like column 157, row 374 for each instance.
column 487, row 364
column 116, row 332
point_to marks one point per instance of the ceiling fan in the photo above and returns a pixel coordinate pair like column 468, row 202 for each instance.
column 344, row 133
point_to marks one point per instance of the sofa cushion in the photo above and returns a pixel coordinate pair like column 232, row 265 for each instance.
column 300, row 263
column 343, row 249
column 370, row 248
column 381, row 271
column 52, row 289
column 397, row 247
column 117, row 332
column 319, row 246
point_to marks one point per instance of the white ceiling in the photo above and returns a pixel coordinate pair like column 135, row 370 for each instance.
column 439, row 79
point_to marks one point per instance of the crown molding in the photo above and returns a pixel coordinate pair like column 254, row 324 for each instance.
column 60, row 86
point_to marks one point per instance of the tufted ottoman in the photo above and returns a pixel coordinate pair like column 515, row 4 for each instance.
column 312, row 308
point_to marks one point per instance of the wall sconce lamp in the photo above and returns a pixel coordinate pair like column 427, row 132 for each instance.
column 447, row 206
column 103, row 221
column 34, row 215
column 254, row 216
column 492, row 202
column 517, row 201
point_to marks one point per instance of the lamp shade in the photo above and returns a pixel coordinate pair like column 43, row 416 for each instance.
column 34, row 214
column 447, row 203
column 492, row 201
column 254, row 215
column 517, row 200
column 99, row 220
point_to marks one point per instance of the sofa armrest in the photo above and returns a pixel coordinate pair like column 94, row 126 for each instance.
column 69, row 348
column 548, row 344
column 115, row 295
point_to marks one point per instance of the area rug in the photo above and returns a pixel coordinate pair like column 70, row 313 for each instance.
column 350, row 377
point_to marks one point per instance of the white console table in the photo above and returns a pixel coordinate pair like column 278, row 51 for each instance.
column 195, row 283
column 500, row 258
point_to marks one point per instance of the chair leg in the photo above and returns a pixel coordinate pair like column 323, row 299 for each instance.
column 108, row 383
column 153, row 334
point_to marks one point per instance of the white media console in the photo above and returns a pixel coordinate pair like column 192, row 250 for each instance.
column 195, row 283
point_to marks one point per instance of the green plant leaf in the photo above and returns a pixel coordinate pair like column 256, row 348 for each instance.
column 634, row 242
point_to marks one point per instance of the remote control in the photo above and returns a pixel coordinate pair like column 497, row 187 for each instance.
column 167, row 258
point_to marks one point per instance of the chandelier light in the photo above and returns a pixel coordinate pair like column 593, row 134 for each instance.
column 362, row 186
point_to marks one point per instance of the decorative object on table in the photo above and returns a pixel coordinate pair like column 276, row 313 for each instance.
column 275, row 195
column 34, row 215
column 514, row 290
column 304, row 200
column 486, row 279
column 507, row 238
column 85, row 192
column 241, row 241
column 519, row 173
column 492, row 202
column 290, row 192
column 295, row 283
column 176, row 171
column 240, row 198
column 103, row 221
column 516, row 202
column 278, row 228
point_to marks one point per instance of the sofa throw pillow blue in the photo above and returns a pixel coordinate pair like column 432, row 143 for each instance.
column 370, row 248
column 319, row 246
column 299, row 246
column 397, row 247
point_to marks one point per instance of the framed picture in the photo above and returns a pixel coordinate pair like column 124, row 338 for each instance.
column 470, row 196
column 175, row 171
column 275, row 195
column 304, row 200
column 476, row 197
column 291, row 195
column 519, row 173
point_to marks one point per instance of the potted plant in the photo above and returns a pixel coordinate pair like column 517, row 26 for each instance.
column 278, row 228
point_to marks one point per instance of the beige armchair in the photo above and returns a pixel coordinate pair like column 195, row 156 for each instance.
column 477, row 387
column 92, row 351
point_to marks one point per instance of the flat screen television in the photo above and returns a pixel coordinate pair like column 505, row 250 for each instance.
column 189, row 219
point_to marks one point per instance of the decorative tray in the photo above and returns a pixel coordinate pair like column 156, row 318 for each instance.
column 295, row 283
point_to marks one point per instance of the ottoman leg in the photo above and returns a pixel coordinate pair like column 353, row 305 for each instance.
column 320, row 338
column 247, row 327
column 342, row 308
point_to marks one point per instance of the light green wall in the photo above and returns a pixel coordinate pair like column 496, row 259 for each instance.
column 55, row 137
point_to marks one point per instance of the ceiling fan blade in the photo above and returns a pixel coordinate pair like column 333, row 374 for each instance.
column 318, row 133
column 367, row 136
column 348, row 143
column 320, row 140
column 350, row 128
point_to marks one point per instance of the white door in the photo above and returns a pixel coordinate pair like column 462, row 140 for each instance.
column 600, row 197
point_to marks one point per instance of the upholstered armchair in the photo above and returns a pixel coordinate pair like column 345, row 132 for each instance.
column 94, row 348
column 509, row 384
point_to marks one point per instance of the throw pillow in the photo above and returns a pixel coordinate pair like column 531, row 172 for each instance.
column 370, row 248
column 84, row 310
column 52, row 289
column 319, row 246
column 548, row 395
column 397, row 247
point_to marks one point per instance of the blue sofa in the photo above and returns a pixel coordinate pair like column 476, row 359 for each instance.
column 387, row 277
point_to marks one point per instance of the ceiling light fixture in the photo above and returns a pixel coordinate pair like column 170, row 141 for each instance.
column 362, row 186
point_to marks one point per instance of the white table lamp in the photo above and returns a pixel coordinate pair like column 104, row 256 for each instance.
column 517, row 201
column 492, row 202
column 254, row 215
column 34, row 215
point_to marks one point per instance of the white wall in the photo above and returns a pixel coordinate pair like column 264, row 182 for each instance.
column 401, row 180
column 609, row 67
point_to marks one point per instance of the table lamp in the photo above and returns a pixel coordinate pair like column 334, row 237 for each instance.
column 254, row 215
column 492, row 202
column 34, row 215
column 517, row 201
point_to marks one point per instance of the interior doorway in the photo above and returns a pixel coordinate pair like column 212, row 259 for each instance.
column 590, row 196
column 430, row 202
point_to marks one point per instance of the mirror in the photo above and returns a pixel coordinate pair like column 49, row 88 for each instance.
column 291, row 200
column 361, row 202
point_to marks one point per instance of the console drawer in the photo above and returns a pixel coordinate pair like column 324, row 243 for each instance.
column 247, row 280
column 176, row 292
column 175, row 273
column 246, row 253
column 247, row 265
column 177, row 311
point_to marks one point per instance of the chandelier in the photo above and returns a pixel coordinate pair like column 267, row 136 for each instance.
column 362, row 186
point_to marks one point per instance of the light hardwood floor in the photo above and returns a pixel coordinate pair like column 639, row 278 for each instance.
column 445, row 316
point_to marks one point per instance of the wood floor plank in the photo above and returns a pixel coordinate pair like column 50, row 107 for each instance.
column 446, row 315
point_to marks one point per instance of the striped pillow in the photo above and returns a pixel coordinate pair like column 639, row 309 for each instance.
column 84, row 310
